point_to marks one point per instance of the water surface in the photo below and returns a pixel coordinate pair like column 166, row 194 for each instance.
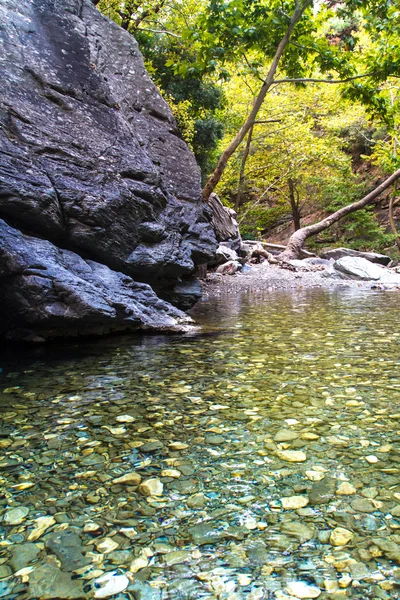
column 270, row 437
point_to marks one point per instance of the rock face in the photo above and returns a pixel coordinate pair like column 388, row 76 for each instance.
column 50, row 292
column 336, row 253
column 91, row 161
column 225, row 224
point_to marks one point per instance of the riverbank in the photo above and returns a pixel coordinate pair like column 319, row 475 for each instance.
column 265, row 276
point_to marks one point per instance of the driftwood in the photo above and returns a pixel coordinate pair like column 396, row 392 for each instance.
column 297, row 239
column 304, row 253
column 258, row 253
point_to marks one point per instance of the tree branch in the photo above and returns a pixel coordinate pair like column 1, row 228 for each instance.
column 315, row 80
column 175, row 35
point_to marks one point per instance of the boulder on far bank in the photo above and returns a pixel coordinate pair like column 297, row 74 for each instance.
column 362, row 270
column 373, row 257
column 224, row 254
column 229, row 268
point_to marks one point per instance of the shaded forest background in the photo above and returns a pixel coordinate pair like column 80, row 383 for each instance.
column 314, row 146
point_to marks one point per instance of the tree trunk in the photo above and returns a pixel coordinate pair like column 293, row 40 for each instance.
column 298, row 238
column 242, row 169
column 258, row 102
column 391, row 219
column 294, row 205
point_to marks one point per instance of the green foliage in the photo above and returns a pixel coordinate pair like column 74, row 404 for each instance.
column 209, row 57
column 203, row 100
column 360, row 231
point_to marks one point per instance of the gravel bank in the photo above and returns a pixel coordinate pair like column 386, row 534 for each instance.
column 265, row 276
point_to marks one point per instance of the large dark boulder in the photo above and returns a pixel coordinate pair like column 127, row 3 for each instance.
column 90, row 156
column 48, row 292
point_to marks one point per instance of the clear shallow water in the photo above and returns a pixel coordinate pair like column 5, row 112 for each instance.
column 217, row 419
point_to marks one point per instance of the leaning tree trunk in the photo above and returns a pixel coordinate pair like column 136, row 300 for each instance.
column 294, row 205
column 298, row 238
column 258, row 102
column 242, row 176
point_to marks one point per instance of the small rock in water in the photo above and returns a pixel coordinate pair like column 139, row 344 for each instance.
column 243, row 579
column 322, row 491
column 250, row 523
column 106, row 545
column 300, row 589
column 315, row 475
column 346, row 489
column 372, row 459
column 294, row 502
column 15, row 516
column 151, row 487
column 298, row 530
column 292, row 455
column 363, row 505
column 341, row 536
column 171, row 473
column 138, row 563
column 128, row 479
column 152, row 446
column 286, row 435
column 92, row 527
column 344, row 581
column 110, row 584
column 309, row 436
column 197, row 501
column 178, row 446
column 42, row 524
column 176, row 557
column 125, row 419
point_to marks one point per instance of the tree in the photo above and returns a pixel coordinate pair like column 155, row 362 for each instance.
column 300, row 147
column 296, row 241
column 212, row 181
column 290, row 37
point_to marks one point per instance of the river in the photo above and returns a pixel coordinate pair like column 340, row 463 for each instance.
column 255, row 458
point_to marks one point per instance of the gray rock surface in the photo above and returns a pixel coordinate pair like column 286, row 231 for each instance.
column 373, row 257
column 229, row 268
column 362, row 269
column 90, row 156
column 224, row 254
column 47, row 292
column 67, row 546
column 224, row 223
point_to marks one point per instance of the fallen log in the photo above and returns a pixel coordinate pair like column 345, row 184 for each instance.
column 304, row 253
column 295, row 244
